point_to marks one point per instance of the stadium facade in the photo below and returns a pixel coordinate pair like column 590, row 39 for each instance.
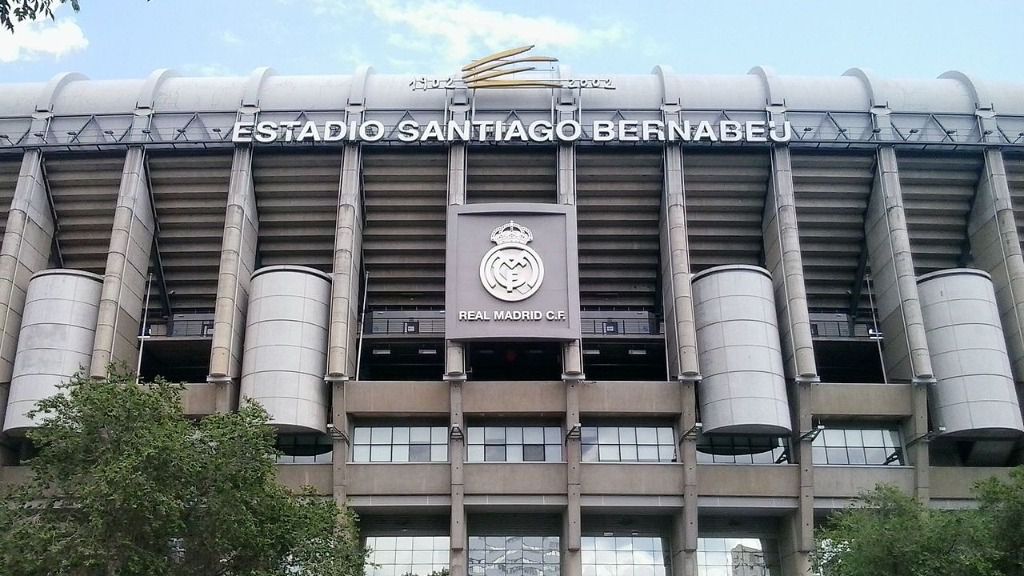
column 633, row 326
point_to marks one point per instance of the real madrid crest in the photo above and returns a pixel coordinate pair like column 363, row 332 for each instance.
column 511, row 271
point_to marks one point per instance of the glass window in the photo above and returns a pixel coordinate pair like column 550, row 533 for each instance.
column 304, row 449
column 858, row 446
column 402, row 555
column 738, row 557
column 632, row 555
column 728, row 449
column 400, row 444
column 628, row 444
column 514, row 444
column 519, row 555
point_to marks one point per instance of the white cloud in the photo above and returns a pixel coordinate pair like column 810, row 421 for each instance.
column 230, row 38
column 461, row 30
column 32, row 40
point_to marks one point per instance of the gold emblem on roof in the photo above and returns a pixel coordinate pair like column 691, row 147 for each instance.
column 497, row 70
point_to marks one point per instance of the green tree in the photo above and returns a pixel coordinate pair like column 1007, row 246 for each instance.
column 12, row 11
column 1002, row 502
column 125, row 485
column 890, row 533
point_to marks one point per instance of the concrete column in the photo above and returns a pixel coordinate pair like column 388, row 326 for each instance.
column 343, row 351
column 237, row 262
column 459, row 559
column 26, row 248
column 681, row 349
column 895, row 287
column 793, row 560
column 572, row 374
column 340, row 435
column 995, row 246
column 455, row 374
column 572, row 561
column 783, row 258
column 127, row 270
column 345, row 303
column 684, row 522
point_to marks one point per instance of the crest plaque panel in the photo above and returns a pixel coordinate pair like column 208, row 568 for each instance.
column 512, row 272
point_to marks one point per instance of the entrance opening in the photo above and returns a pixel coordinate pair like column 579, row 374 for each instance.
column 515, row 361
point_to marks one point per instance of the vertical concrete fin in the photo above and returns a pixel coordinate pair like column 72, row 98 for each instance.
column 784, row 261
column 27, row 241
column 127, row 269
column 237, row 263
column 995, row 245
column 894, row 283
column 345, row 302
column 572, row 352
column 455, row 352
column 680, row 331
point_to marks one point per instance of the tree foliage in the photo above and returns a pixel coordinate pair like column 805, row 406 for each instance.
column 888, row 532
column 125, row 485
column 12, row 11
column 1002, row 503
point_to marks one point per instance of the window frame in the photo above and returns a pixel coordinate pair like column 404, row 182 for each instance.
column 483, row 438
column 892, row 445
column 597, row 439
column 368, row 446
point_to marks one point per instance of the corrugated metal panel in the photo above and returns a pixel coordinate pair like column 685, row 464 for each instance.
column 405, row 199
column 8, row 182
column 1015, row 178
column 297, row 203
column 937, row 195
column 618, row 196
column 84, row 197
column 725, row 195
column 190, row 193
column 832, row 193
column 511, row 175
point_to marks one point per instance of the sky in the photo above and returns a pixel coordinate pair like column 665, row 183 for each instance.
column 112, row 39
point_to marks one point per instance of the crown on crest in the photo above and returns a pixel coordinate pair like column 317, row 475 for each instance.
column 511, row 233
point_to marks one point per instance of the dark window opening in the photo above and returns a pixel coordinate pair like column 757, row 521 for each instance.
column 402, row 360
column 624, row 360
column 17, row 451
column 845, row 352
column 304, row 449
column 177, row 359
column 515, row 361
column 734, row 449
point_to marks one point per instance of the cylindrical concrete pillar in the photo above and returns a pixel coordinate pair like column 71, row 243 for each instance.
column 285, row 351
column 744, row 387
column 974, row 394
column 55, row 341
